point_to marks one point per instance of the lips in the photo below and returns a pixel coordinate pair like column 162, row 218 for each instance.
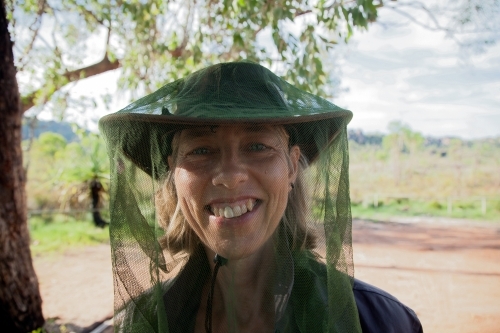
column 234, row 209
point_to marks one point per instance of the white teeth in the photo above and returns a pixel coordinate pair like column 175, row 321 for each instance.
column 237, row 211
column 230, row 212
column 249, row 205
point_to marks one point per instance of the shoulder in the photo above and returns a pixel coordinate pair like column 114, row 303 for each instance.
column 381, row 312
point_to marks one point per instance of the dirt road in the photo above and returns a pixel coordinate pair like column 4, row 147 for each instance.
column 448, row 273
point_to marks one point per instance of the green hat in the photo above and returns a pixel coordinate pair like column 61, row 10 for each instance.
column 227, row 93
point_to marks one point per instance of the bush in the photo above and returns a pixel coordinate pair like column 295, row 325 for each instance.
column 466, row 205
column 435, row 205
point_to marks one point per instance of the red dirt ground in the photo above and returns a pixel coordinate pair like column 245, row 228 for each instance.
column 448, row 273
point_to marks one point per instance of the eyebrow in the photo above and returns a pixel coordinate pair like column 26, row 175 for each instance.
column 197, row 132
column 257, row 128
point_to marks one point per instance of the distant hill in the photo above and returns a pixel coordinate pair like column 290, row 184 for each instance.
column 361, row 138
column 41, row 126
column 375, row 139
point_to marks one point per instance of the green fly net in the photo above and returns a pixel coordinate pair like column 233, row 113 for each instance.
column 162, row 273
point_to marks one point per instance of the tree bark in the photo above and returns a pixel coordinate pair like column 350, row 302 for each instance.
column 20, row 301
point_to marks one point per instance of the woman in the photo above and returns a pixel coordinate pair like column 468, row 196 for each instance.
column 217, row 222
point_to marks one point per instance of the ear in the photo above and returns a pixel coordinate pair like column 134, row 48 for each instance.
column 294, row 163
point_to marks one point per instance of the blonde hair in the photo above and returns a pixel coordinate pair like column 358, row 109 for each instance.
column 180, row 238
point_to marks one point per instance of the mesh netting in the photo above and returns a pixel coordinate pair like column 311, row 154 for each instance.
column 233, row 161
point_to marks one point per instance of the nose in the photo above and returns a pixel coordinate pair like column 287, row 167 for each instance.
column 230, row 170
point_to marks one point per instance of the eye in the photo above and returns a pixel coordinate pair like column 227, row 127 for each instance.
column 257, row 147
column 199, row 151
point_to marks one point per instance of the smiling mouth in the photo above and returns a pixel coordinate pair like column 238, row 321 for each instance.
column 228, row 210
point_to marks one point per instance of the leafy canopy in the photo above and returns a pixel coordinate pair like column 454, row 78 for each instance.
column 156, row 41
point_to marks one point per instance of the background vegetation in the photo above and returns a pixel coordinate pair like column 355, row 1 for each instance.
column 59, row 170
column 404, row 173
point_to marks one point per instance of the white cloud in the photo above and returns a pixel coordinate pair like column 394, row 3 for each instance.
column 421, row 78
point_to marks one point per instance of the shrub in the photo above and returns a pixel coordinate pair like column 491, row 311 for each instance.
column 435, row 205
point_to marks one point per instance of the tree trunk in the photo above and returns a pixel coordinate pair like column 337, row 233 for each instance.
column 20, row 301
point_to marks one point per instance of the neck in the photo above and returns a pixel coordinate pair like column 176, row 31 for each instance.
column 244, row 289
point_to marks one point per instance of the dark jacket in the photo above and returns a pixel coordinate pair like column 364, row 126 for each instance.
column 378, row 311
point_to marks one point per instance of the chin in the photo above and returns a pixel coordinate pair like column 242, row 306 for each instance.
column 237, row 250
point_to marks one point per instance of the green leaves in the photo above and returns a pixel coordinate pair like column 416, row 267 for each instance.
column 58, row 171
column 50, row 143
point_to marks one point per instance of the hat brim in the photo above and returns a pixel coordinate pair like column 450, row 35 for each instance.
column 312, row 133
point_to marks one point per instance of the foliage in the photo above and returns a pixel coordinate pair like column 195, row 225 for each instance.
column 427, row 173
column 51, row 143
column 157, row 41
column 59, row 172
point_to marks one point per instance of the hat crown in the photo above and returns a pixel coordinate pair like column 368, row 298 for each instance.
column 232, row 86
column 237, row 90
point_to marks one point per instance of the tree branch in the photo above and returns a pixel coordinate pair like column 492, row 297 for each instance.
column 179, row 50
column 91, row 14
column 414, row 20
column 34, row 27
column 102, row 66
column 333, row 6
column 437, row 26
column 303, row 12
column 98, row 68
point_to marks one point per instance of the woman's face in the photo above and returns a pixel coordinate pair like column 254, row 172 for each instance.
column 232, row 183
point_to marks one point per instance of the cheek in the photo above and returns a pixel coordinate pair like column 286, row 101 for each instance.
column 281, row 201
column 188, row 188
column 276, row 181
column 276, row 175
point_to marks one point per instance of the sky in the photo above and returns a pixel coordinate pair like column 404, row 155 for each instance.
column 421, row 78
column 392, row 72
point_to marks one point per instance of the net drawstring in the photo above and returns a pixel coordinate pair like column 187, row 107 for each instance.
column 219, row 261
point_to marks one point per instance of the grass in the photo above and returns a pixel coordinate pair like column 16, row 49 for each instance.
column 57, row 233
column 454, row 179
column 406, row 207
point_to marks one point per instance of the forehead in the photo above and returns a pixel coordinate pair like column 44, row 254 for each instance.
column 240, row 129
